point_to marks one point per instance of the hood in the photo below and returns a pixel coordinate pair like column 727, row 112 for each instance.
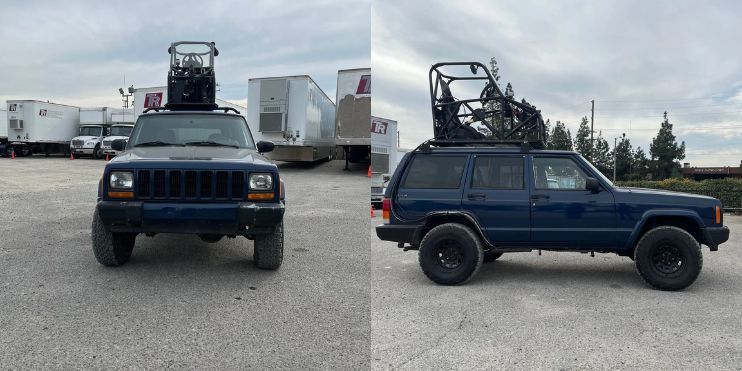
column 660, row 193
column 192, row 153
column 114, row 137
column 85, row 138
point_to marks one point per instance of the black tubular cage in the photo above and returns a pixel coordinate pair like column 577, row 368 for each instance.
column 191, row 83
column 508, row 121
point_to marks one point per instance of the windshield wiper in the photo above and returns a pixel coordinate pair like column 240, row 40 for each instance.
column 210, row 143
column 156, row 143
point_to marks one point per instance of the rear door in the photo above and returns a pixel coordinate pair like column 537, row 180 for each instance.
column 432, row 182
column 497, row 195
column 563, row 212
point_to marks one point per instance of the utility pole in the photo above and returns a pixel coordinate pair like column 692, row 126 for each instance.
column 592, row 117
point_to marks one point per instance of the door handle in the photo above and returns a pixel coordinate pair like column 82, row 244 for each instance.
column 539, row 197
column 476, row 196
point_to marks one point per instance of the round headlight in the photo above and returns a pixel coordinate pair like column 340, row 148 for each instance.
column 261, row 182
column 121, row 180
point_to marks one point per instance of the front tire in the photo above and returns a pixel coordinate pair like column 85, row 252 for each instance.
column 97, row 153
column 451, row 254
column 668, row 258
column 110, row 248
column 268, row 252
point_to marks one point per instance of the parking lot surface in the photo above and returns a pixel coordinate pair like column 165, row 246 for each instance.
column 556, row 311
column 180, row 302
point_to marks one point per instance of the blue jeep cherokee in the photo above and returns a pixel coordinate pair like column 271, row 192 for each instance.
column 461, row 206
column 195, row 173
column 462, row 199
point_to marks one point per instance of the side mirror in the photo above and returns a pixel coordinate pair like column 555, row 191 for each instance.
column 592, row 185
column 264, row 146
column 118, row 145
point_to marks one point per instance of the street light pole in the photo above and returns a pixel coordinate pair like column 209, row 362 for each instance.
column 614, row 158
column 125, row 98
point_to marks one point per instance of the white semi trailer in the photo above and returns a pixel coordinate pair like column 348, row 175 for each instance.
column 41, row 127
column 352, row 133
column 384, row 149
column 295, row 114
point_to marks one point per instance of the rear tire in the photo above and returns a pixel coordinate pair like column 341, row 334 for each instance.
column 268, row 252
column 451, row 254
column 110, row 248
column 668, row 258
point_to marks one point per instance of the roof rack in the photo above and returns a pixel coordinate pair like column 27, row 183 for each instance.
column 506, row 121
column 425, row 147
column 191, row 83
column 192, row 108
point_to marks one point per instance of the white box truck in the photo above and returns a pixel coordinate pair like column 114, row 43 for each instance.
column 384, row 148
column 352, row 134
column 94, row 126
column 41, row 127
column 295, row 114
column 156, row 97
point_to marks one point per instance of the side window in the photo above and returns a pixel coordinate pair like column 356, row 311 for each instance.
column 558, row 173
column 498, row 172
column 435, row 172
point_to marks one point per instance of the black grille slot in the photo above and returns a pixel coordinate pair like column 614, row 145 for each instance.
column 143, row 183
column 190, row 184
column 206, row 184
column 222, row 184
column 159, row 182
column 175, row 184
column 238, row 179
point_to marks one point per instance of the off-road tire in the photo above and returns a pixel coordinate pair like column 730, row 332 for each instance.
column 468, row 244
column 490, row 256
column 110, row 248
column 648, row 259
column 268, row 252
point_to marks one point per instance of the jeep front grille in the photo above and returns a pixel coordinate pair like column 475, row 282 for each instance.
column 190, row 184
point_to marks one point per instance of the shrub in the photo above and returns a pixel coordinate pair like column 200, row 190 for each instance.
column 728, row 191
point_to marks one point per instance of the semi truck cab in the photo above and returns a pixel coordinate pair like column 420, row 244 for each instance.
column 118, row 131
column 89, row 141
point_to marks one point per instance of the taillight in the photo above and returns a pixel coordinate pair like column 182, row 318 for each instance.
column 386, row 206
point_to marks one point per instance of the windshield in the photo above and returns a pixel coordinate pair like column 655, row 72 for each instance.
column 192, row 55
column 598, row 173
column 93, row 131
column 121, row 131
column 192, row 130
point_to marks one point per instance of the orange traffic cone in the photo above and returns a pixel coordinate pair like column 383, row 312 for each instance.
column 72, row 156
column 12, row 154
column 106, row 156
column 372, row 212
column 369, row 171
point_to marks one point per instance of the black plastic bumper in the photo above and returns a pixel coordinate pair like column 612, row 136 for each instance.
column 245, row 218
column 715, row 236
column 398, row 233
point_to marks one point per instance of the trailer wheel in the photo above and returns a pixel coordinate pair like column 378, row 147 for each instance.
column 9, row 151
column 268, row 252
column 25, row 151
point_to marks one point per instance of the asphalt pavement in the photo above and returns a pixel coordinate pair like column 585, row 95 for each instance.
column 558, row 311
column 181, row 303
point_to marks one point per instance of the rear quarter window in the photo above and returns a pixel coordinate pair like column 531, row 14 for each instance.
column 435, row 172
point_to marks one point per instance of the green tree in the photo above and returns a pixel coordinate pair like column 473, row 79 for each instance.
column 495, row 120
column 560, row 138
column 624, row 158
column 602, row 156
column 640, row 166
column 582, row 138
column 666, row 152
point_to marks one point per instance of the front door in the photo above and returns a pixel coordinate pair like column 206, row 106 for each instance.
column 497, row 195
column 563, row 212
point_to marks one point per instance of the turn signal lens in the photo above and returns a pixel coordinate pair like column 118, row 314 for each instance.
column 386, row 207
column 127, row 194
column 260, row 196
column 718, row 214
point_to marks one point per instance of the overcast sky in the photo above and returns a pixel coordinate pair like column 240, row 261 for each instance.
column 77, row 52
column 636, row 59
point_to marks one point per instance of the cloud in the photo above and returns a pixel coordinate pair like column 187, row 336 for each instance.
column 635, row 59
column 77, row 52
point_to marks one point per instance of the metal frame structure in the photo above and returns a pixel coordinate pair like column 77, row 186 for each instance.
column 452, row 117
column 191, row 84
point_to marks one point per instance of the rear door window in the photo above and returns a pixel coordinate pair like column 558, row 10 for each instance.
column 435, row 172
column 498, row 172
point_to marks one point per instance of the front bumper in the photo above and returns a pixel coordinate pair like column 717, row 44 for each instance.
column 244, row 218
column 715, row 236
column 80, row 150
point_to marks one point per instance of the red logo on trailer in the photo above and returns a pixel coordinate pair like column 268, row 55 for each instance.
column 42, row 112
column 12, row 107
column 153, row 100
column 364, row 86
column 378, row 127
